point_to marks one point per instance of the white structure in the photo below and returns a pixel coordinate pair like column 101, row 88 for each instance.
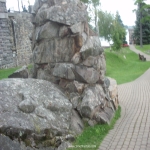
column 104, row 43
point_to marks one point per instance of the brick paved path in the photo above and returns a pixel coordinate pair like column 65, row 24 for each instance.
column 132, row 47
column 132, row 130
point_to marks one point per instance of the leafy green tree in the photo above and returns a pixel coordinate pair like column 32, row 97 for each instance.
column 142, row 27
column 111, row 29
column 139, row 4
column 117, row 35
column 118, row 18
column 107, row 26
column 105, row 23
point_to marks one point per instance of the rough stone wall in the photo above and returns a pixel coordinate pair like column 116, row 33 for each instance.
column 6, row 55
column 2, row 6
column 22, row 29
column 15, row 45
column 67, row 53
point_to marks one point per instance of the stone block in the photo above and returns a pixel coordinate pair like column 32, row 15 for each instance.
column 3, row 15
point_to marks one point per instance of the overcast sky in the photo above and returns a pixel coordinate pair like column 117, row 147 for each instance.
column 13, row 4
column 124, row 7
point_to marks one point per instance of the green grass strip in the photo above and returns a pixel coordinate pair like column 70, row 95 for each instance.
column 145, row 49
column 92, row 137
column 4, row 73
column 124, row 69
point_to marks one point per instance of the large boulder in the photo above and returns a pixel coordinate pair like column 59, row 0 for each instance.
column 8, row 144
column 33, row 108
column 93, row 97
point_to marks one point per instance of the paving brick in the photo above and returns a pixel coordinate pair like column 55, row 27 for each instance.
column 133, row 130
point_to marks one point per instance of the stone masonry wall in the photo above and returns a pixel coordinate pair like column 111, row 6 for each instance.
column 2, row 6
column 15, row 45
column 68, row 54
column 6, row 55
column 22, row 28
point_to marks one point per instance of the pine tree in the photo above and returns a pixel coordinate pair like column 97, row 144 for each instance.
column 118, row 34
column 118, row 18
column 142, row 21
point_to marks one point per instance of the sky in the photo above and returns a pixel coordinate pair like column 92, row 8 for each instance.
column 13, row 4
column 124, row 7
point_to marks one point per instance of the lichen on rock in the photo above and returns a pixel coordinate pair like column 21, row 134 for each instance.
column 69, row 56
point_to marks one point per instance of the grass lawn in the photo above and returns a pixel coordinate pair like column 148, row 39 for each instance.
column 93, row 136
column 4, row 73
column 124, row 70
column 144, row 49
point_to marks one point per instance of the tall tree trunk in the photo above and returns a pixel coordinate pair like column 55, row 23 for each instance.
column 141, row 35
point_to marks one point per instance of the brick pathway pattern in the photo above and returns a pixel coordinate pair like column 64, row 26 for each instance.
column 132, row 130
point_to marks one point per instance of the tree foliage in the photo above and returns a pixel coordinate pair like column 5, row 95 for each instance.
column 142, row 28
column 93, row 6
column 111, row 28
column 105, row 25
column 118, row 18
column 118, row 35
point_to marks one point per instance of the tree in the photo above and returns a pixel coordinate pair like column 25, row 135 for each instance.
column 142, row 27
column 118, row 18
column 139, row 3
column 112, row 29
column 118, row 33
column 93, row 7
column 105, row 21
column 106, row 25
